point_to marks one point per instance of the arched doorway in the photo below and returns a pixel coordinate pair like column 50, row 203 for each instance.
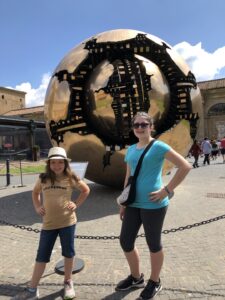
column 216, row 121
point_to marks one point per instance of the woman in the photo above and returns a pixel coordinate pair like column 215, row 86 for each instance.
column 150, row 205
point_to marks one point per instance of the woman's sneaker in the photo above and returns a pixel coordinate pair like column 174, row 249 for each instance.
column 69, row 292
column 151, row 290
column 130, row 282
column 27, row 295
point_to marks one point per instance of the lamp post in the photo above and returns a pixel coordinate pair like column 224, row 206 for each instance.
column 32, row 128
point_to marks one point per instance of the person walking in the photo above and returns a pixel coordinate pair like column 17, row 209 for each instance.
column 59, row 219
column 195, row 152
column 206, row 150
column 215, row 149
column 150, row 205
column 222, row 148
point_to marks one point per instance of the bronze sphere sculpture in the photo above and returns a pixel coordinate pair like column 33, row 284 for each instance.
column 100, row 85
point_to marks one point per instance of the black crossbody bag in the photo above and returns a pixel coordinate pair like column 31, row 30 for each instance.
column 129, row 193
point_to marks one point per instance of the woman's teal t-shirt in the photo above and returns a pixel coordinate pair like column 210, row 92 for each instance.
column 150, row 175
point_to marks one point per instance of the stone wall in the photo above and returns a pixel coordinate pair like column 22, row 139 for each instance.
column 11, row 99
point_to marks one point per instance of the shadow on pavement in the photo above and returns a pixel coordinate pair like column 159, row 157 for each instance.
column 117, row 295
column 12, row 290
column 18, row 208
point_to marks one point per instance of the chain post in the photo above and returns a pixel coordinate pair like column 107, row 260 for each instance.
column 7, row 172
column 21, row 176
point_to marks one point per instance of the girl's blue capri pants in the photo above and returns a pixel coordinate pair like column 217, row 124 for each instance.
column 47, row 242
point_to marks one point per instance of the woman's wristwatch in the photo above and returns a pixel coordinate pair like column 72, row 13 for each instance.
column 170, row 194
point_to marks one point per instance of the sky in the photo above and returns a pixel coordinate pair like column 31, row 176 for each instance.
column 35, row 35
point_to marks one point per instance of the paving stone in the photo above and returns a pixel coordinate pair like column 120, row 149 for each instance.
column 194, row 258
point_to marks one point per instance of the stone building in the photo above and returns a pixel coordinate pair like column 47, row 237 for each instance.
column 213, row 101
column 31, row 113
column 20, row 137
column 21, row 129
column 11, row 99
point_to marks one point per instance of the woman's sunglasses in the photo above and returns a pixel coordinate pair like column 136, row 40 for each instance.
column 142, row 125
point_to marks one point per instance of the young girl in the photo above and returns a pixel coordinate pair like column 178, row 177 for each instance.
column 59, row 218
column 150, row 205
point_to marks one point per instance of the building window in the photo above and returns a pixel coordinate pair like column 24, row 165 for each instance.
column 217, row 109
column 3, row 96
column 7, row 142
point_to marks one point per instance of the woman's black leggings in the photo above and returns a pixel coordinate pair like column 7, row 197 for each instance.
column 152, row 220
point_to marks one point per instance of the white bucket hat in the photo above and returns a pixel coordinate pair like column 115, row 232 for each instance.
column 57, row 153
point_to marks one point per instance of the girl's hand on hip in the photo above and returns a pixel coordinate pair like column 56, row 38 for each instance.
column 71, row 206
column 40, row 210
column 158, row 196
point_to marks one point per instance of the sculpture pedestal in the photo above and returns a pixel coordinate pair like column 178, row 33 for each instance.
column 77, row 266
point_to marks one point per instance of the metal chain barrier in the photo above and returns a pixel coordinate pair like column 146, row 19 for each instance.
column 89, row 237
column 181, row 228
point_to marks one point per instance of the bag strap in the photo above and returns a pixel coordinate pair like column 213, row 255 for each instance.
column 141, row 159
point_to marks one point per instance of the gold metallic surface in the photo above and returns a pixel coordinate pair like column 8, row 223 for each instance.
column 91, row 149
column 56, row 103
column 179, row 139
column 86, row 138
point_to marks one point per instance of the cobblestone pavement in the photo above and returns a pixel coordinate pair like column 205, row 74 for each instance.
column 194, row 266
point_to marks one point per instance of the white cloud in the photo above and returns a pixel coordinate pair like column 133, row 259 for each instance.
column 204, row 65
column 35, row 97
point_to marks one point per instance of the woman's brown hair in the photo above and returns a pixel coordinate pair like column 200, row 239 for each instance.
column 144, row 115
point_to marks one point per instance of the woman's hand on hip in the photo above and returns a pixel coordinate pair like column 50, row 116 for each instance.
column 158, row 196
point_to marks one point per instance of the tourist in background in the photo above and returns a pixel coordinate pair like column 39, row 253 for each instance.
column 195, row 152
column 222, row 148
column 215, row 149
column 206, row 150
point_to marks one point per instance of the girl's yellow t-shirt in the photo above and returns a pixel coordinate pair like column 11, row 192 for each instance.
column 55, row 200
